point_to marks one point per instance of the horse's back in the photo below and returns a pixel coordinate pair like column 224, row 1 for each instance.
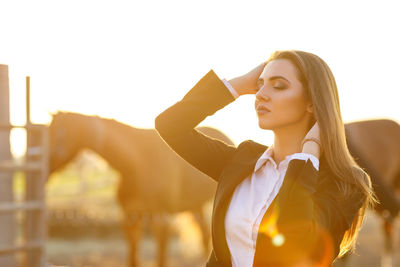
column 378, row 142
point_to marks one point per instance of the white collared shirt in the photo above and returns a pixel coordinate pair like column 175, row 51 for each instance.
column 250, row 201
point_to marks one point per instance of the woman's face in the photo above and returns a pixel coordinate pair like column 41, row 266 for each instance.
column 280, row 91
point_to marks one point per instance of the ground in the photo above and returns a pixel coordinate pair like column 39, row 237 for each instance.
column 84, row 226
column 112, row 251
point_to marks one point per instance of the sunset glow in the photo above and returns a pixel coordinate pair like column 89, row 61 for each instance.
column 129, row 60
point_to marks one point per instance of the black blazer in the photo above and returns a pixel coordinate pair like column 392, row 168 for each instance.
column 311, row 216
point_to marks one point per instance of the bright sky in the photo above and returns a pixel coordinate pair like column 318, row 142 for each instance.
column 130, row 60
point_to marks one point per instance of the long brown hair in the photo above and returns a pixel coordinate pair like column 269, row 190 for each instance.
column 319, row 84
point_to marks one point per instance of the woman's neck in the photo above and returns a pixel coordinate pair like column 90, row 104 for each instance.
column 288, row 141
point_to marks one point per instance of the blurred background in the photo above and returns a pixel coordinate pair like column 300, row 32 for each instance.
column 130, row 60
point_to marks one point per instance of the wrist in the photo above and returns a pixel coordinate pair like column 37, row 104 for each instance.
column 230, row 88
column 311, row 147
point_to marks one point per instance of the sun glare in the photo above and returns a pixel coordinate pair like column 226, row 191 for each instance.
column 130, row 61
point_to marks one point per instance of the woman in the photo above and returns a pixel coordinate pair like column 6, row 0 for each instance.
column 299, row 202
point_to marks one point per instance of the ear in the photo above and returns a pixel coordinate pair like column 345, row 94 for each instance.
column 310, row 107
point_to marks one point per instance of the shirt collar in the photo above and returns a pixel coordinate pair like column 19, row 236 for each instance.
column 267, row 155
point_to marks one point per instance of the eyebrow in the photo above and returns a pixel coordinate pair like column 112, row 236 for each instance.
column 274, row 78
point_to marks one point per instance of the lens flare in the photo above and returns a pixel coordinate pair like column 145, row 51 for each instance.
column 269, row 227
column 316, row 253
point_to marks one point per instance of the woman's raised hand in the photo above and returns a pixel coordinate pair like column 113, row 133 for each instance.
column 247, row 83
column 311, row 146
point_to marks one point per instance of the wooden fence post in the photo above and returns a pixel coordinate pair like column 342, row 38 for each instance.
column 7, row 220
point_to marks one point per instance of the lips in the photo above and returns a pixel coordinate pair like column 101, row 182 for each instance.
column 262, row 109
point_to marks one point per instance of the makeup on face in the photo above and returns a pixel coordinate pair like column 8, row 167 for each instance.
column 279, row 99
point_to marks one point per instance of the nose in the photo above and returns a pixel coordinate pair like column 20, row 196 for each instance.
column 261, row 94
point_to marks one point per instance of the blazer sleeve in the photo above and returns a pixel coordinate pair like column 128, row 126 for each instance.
column 176, row 125
column 311, row 219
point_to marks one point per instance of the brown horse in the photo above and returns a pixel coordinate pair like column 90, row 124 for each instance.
column 375, row 145
column 155, row 182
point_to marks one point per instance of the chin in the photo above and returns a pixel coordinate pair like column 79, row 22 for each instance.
column 265, row 126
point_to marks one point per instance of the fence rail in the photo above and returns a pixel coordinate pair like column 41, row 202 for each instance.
column 27, row 246
column 26, row 206
column 11, row 166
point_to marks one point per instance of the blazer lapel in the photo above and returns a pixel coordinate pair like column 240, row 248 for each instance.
column 235, row 172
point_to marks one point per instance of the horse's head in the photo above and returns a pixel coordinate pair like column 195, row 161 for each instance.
column 66, row 138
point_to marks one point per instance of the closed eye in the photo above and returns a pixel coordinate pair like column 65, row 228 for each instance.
column 280, row 84
column 279, row 87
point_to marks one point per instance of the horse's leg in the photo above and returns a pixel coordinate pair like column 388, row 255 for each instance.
column 160, row 225
column 204, row 228
column 131, row 225
column 388, row 227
